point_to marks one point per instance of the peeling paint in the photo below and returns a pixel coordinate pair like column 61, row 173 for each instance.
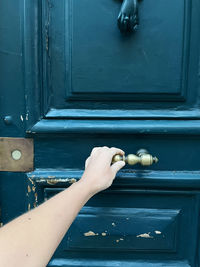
column 31, row 181
column 55, row 181
column 72, row 180
column 118, row 240
column 51, row 176
column 90, row 233
column 36, row 197
column 145, row 235
column 33, row 188
column 158, row 232
column 52, row 181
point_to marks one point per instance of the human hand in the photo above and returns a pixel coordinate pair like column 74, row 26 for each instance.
column 99, row 173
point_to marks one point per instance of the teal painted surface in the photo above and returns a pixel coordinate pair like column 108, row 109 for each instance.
column 71, row 81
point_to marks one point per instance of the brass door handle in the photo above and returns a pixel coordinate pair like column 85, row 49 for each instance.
column 142, row 156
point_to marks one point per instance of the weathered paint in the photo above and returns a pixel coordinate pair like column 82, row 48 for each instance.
column 92, row 86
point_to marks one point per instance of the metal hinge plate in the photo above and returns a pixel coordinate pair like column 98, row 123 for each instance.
column 16, row 154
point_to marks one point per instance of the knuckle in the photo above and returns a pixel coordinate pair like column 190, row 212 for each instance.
column 95, row 149
column 114, row 148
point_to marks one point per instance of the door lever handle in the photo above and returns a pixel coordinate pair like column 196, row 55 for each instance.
column 142, row 156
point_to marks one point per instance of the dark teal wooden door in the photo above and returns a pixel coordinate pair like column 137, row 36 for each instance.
column 70, row 80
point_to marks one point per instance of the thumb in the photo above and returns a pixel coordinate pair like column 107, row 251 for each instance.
column 117, row 166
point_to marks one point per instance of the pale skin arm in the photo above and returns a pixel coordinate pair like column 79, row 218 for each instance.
column 31, row 239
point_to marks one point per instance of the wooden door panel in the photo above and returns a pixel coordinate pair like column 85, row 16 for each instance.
column 124, row 222
column 103, row 61
column 77, row 82
column 91, row 65
column 175, row 152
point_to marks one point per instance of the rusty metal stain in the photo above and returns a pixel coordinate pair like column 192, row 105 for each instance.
column 7, row 146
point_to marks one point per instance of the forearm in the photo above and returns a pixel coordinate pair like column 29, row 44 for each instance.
column 31, row 239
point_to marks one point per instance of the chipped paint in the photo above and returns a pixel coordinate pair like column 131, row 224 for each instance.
column 1, row 224
column 52, row 181
column 21, row 117
column 103, row 234
column 31, row 180
column 158, row 232
column 29, row 206
column 41, row 180
column 90, row 233
column 145, row 235
column 72, row 180
column 55, row 181
column 27, row 116
column 127, row 218
column 36, row 197
column 51, row 177
column 29, row 188
column 113, row 224
column 33, row 188
column 118, row 240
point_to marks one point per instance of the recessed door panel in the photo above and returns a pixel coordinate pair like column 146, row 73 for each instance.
column 91, row 64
